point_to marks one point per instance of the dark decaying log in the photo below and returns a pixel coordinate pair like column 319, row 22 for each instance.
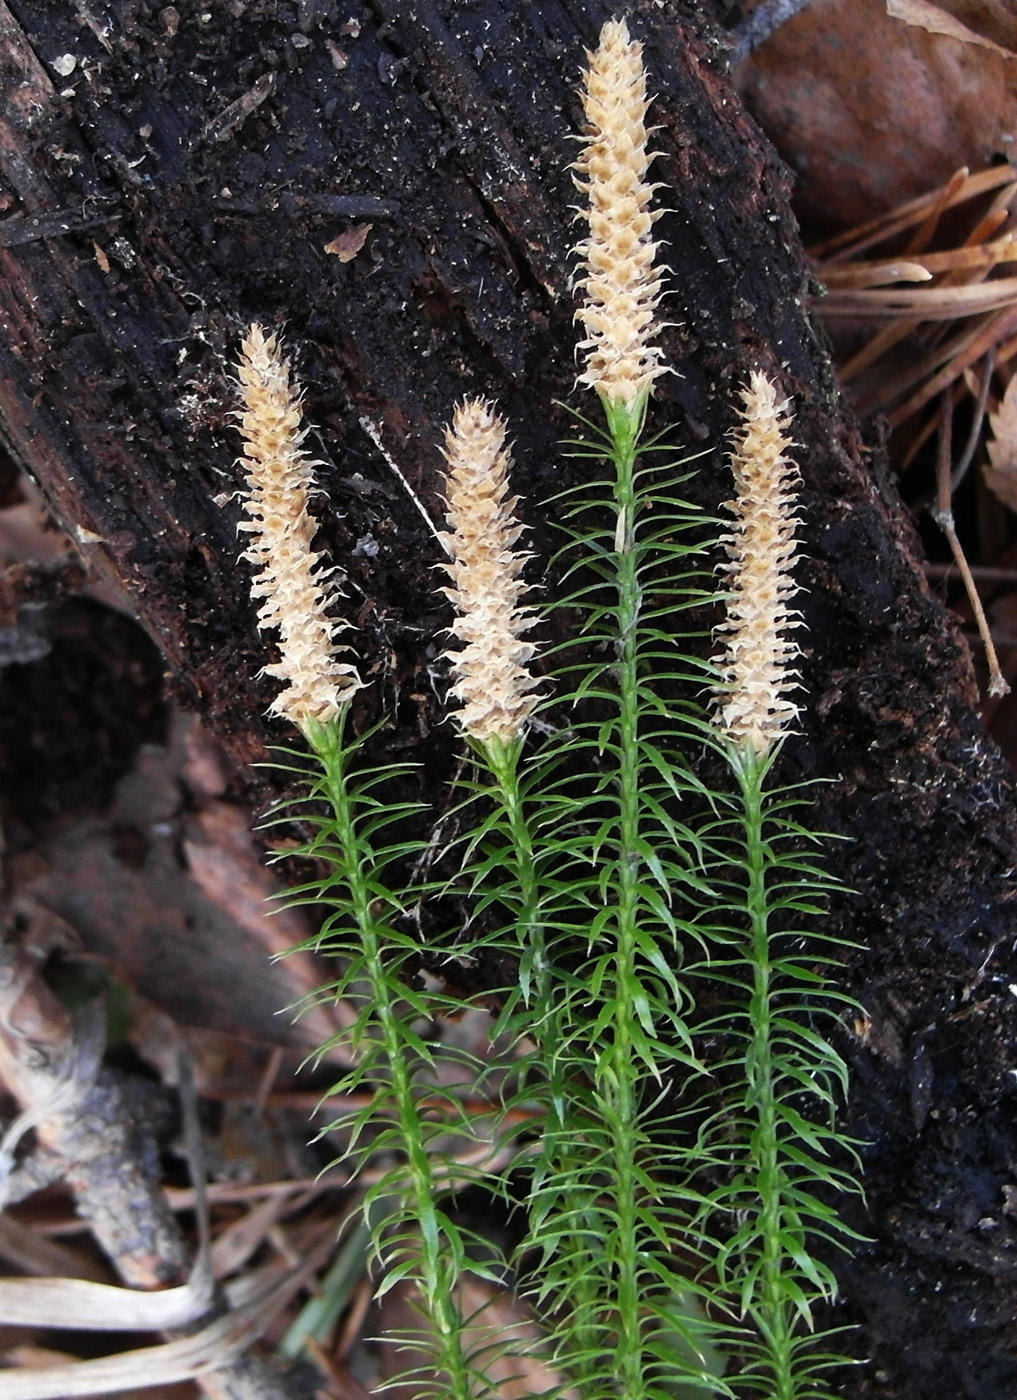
column 172, row 171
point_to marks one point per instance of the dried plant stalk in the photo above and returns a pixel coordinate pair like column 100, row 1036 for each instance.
column 876, row 272
column 492, row 679
column 294, row 582
column 754, row 707
column 621, row 285
column 931, row 304
column 960, row 187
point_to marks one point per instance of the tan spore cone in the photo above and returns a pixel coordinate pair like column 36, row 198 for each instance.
column 294, row 582
column 621, row 285
column 490, row 665
column 757, row 659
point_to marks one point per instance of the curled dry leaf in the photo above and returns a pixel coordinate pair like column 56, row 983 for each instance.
column 1001, row 471
column 921, row 88
column 347, row 245
column 938, row 20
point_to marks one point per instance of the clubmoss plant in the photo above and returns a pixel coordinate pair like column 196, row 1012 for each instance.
column 492, row 679
column 600, row 1215
column 672, row 987
column 364, row 930
column 625, row 909
column 620, row 280
column 490, row 666
column 295, row 584
column 755, row 662
column 772, row 1130
column 592, row 862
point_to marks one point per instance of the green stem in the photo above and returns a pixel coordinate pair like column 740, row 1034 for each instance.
column 774, row 1315
column 618, row 1086
column 352, row 855
column 538, row 986
column 502, row 761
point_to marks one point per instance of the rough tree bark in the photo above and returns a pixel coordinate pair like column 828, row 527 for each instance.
column 171, row 172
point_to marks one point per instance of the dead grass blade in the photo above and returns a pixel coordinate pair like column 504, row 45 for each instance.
column 932, row 304
column 100, row 1307
column 187, row 1358
column 960, row 187
column 879, row 272
column 979, row 343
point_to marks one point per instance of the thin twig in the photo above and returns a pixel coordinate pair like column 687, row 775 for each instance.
column 942, row 514
column 374, row 434
column 108, row 1155
column 960, row 471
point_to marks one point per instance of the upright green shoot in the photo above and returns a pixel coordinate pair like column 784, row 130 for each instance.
column 592, row 861
column 772, row 1129
column 672, row 990
column 599, row 1204
column 349, row 813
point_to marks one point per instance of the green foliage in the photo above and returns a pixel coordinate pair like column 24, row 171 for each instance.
column 778, row 1161
column 672, row 1246
column 407, row 1117
column 616, row 862
column 672, row 993
column 666, row 1038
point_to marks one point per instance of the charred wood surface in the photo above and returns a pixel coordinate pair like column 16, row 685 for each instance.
column 171, row 172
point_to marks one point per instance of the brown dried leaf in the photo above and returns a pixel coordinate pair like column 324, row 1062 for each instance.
column 871, row 109
column 1001, row 474
column 924, row 15
column 993, row 19
column 347, row 245
column 193, row 935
